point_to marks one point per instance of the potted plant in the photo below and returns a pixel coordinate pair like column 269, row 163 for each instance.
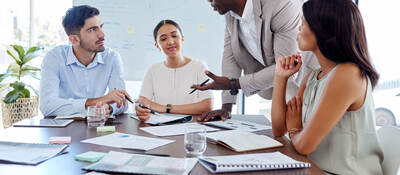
column 19, row 103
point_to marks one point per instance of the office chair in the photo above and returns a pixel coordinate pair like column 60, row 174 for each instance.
column 389, row 137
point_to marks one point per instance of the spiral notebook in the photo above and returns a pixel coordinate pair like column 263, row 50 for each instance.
column 250, row 162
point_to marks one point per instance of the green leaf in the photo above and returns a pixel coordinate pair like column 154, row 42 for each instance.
column 33, row 50
column 30, row 68
column 12, row 96
column 26, row 93
column 3, row 76
column 21, row 52
column 28, row 58
column 14, row 57
column 18, row 85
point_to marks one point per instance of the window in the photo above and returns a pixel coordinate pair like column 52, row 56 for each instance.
column 382, row 24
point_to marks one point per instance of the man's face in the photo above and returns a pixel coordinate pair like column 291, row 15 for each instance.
column 91, row 35
column 222, row 6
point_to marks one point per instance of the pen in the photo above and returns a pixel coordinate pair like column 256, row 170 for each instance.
column 200, row 85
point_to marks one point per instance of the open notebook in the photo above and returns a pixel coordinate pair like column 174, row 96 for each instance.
column 241, row 141
column 250, row 162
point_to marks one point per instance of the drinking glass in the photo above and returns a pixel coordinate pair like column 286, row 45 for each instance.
column 96, row 116
column 195, row 140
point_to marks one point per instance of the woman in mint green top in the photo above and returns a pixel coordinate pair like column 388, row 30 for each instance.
column 331, row 119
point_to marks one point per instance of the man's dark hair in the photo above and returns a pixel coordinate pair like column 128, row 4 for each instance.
column 75, row 18
column 340, row 33
column 163, row 22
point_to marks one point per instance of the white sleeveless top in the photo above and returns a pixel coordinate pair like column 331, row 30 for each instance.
column 165, row 85
column 352, row 146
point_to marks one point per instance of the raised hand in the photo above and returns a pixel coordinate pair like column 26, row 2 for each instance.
column 288, row 65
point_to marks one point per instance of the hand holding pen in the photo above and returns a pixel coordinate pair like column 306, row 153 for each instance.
column 202, row 84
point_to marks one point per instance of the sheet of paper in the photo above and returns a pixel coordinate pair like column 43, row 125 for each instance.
column 28, row 153
column 239, row 125
column 128, row 141
column 74, row 116
column 172, row 130
column 161, row 118
column 143, row 164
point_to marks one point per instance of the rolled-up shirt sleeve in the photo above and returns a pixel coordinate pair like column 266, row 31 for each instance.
column 50, row 102
column 117, row 81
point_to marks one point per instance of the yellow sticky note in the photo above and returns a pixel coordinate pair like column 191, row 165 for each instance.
column 201, row 27
column 106, row 129
column 130, row 29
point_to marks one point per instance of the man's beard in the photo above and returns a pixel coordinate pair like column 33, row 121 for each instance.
column 87, row 47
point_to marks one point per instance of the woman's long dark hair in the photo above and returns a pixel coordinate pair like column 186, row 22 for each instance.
column 340, row 33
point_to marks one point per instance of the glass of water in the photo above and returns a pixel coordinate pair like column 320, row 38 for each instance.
column 195, row 141
column 96, row 116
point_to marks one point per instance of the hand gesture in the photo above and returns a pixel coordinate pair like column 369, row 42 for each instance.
column 219, row 83
column 116, row 96
column 288, row 65
column 105, row 106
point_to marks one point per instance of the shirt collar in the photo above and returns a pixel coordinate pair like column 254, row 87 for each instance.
column 247, row 12
column 71, row 58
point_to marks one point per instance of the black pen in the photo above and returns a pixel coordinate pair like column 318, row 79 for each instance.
column 200, row 85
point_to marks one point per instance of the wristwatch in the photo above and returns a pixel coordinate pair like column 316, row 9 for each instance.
column 111, row 109
column 169, row 106
column 233, row 90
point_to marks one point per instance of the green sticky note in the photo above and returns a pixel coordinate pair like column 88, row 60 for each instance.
column 90, row 156
column 106, row 129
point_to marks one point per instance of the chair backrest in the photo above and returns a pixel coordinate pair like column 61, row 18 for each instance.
column 389, row 137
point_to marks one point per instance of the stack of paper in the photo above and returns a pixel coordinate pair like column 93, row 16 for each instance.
column 28, row 153
column 241, row 141
column 118, row 162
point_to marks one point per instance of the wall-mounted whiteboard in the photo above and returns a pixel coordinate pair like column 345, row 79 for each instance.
column 129, row 24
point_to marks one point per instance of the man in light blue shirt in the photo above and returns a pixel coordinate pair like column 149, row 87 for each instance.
column 77, row 76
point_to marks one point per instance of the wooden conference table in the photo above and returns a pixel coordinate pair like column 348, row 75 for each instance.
column 65, row 164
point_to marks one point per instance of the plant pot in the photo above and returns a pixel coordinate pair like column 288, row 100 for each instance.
column 21, row 109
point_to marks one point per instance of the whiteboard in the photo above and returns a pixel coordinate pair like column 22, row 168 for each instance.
column 129, row 24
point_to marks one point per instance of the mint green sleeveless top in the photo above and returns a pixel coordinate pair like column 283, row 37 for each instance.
column 352, row 146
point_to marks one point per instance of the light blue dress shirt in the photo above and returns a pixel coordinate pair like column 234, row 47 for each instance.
column 66, row 84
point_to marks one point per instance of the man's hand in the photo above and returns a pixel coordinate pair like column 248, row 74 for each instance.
column 219, row 83
column 105, row 106
column 220, row 114
column 116, row 96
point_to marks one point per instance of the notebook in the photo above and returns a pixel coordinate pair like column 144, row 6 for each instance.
column 160, row 119
column 250, row 162
column 242, row 141
column 238, row 124
column 34, row 122
column 28, row 153
column 119, row 162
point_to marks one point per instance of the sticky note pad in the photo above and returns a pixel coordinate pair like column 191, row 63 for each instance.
column 106, row 129
column 60, row 140
column 90, row 156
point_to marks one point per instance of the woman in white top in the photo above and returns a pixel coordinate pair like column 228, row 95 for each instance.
column 166, row 85
column 332, row 117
